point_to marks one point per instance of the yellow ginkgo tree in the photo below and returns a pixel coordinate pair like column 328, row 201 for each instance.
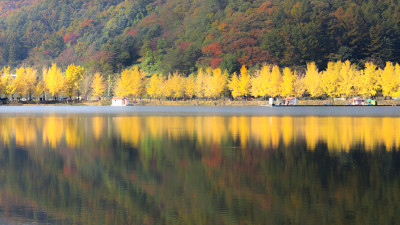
column 240, row 85
column 288, row 81
column 131, row 83
column 216, row 83
column 202, row 88
column 347, row 78
column 387, row 80
column 312, row 80
column 299, row 87
column 177, row 84
column 256, row 85
column 7, row 82
column 40, row 89
column 98, row 85
column 275, row 81
column 397, row 80
column 234, row 86
column 368, row 80
column 25, row 81
column 73, row 77
column 154, row 87
column 260, row 82
column 53, row 80
column 330, row 79
column 244, row 81
column 190, row 86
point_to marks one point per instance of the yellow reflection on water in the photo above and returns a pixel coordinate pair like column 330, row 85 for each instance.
column 53, row 130
column 98, row 127
column 338, row 133
column 25, row 133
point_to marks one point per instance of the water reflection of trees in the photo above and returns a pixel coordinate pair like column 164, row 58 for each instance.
column 339, row 133
column 217, row 170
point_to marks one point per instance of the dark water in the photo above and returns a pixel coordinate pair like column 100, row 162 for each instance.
column 83, row 165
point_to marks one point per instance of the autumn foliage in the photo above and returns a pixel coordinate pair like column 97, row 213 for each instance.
column 184, row 36
column 339, row 79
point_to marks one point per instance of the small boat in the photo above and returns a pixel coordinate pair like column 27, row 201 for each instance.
column 119, row 101
column 289, row 101
column 361, row 101
column 357, row 101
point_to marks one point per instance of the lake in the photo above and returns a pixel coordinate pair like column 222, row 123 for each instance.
column 199, row 165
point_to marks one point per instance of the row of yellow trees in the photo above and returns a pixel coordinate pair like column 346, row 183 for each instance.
column 27, row 82
column 340, row 79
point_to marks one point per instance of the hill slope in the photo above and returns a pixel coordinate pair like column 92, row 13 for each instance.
column 170, row 35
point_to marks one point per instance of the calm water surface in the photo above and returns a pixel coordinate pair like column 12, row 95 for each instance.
column 199, row 165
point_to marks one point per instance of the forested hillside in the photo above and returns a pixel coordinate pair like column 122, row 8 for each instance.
column 181, row 35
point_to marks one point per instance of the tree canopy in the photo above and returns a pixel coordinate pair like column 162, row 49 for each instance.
column 109, row 36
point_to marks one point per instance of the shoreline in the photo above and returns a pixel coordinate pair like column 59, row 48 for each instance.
column 148, row 102
column 185, row 110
